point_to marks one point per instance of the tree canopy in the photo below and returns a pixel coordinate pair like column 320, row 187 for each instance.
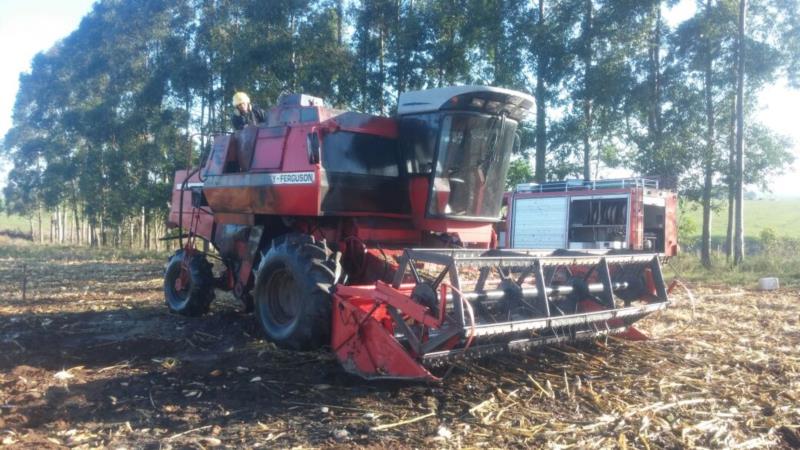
column 105, row 117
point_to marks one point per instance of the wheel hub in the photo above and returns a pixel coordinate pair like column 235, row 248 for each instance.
column 182, row 281
column 282, row 301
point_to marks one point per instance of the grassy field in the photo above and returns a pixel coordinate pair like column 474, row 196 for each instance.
column 687, row 267
column 782, row 216
column 16, row 223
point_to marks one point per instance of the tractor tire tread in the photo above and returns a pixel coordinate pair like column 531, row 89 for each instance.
column 201, row 293
column 310, row 262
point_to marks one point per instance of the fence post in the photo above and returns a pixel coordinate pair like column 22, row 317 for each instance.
column 24, row 281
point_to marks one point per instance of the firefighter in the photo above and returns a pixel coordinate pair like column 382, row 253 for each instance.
column 246, row 113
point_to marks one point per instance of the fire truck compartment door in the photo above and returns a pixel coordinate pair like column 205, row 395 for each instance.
column 540, row 223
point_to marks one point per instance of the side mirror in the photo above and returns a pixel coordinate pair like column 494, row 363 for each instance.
column 312, row 146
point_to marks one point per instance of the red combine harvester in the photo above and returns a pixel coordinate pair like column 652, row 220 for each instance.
column 374, row 236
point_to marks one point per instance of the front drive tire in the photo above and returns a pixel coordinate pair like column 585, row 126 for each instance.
column 195, row 298
column 293, row 292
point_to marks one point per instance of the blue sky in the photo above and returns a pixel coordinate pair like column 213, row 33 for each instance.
column 30, row 26
column 26, row 28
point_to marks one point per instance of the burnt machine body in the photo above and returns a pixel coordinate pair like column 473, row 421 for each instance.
column 376, row 236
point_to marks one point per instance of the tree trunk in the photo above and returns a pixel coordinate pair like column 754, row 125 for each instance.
column 77, row 218
column 202, row 124
column 339, row 21
column 41, row 236
column 708, row 160
column 587, row 89
column 293, row 58
column 738, row 255
column 143, row 231
column 541, row 111
column 401, row 57
column 210, row 97
column 731, row 180
column 62, row 224
column 381, row 67
column 654, row 115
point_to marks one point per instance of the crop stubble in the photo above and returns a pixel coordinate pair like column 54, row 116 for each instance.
column 92, row 358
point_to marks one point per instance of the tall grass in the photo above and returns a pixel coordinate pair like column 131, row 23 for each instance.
column 769, row 256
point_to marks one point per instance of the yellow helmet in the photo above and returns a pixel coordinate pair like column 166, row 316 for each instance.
column 239, row 98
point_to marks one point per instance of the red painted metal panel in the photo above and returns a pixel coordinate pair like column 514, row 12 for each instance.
column 671, row 227
column 363, row 340
column 295, row 157
column 242, row 195
column 636, row 210
column 269, row 148
column 204, row 221
column 220, row 154
column 365, row 123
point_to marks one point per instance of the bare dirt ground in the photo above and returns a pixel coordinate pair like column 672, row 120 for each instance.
column 91, row 358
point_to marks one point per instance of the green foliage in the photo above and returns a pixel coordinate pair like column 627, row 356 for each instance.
column 519, row 171
column 687, row 229
column 768, row 238
column 103, row 119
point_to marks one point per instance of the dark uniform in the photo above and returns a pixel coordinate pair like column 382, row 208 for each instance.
column 254, row 117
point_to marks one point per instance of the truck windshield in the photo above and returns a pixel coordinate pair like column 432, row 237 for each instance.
column 471, row 165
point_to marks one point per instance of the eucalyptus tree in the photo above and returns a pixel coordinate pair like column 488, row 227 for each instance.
column 449, row 44
column 325, row 67
column 376, row 23
column 765, row 46
column 601, row 78
column 702, row 50
column 547, row 50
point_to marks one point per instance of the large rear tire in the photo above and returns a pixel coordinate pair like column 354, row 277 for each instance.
column 293, row 292
column 195, row 294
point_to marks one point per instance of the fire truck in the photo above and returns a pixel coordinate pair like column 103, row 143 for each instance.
column 615, row 214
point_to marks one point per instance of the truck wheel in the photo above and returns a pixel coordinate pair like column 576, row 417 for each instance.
column 293, row 292
column 191, row 295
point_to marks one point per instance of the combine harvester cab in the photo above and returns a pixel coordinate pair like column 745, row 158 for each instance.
column 375, row 236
